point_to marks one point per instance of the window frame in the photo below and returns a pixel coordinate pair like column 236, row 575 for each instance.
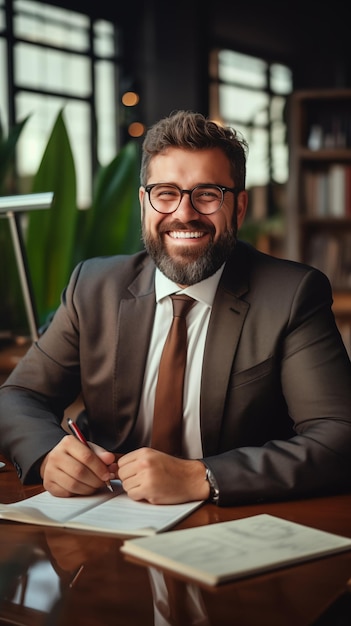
column 267, row 88
column 15, row 88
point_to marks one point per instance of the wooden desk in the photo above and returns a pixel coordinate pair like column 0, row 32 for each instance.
column 112, row 591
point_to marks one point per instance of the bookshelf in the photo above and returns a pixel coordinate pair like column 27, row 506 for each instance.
column 319, row 191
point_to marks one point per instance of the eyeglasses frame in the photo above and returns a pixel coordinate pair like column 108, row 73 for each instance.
column 223, row 188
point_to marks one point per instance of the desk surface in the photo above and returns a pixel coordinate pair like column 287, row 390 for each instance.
column 109, row 590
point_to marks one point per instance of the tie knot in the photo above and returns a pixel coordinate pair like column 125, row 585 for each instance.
column 181, row 304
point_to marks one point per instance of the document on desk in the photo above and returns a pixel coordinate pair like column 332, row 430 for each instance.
column 113, row 513
column 226, row 551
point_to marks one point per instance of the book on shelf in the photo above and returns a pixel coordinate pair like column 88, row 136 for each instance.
column 105, row 512
column 323, row 252
column 226, row 551
column 331, row 253
column 327, row 193
column 337, row 190
column 348, row 191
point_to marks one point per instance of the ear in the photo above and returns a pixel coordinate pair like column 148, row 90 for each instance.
column 241, row 201
column 141, row 198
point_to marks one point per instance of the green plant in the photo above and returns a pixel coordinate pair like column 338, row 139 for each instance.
column 51, row 233
column 57, row 238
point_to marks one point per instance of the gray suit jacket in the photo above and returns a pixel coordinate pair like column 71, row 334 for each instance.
column 276, row 379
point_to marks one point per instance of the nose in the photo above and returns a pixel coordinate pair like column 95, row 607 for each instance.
column 185, row 203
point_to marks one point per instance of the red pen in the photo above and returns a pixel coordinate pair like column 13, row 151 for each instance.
column 75, row 430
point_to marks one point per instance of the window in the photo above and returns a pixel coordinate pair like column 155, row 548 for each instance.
column 53, row 59
column 250, row 95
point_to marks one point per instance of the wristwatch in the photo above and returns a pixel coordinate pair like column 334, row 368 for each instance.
column 214, row 491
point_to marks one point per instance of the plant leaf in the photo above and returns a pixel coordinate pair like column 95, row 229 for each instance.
column 51, row 232
column 114, row 219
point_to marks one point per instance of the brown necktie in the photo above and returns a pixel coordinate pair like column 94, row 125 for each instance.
column 168, row 412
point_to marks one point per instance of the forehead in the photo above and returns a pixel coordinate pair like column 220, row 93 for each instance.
column 180, row 164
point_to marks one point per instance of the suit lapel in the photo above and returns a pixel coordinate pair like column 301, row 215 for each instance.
column 227, row 318
column 135, row 320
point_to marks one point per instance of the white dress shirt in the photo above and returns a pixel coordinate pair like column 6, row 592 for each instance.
column 197, row 323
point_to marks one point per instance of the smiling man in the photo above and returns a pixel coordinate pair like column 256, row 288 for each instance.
column 191, row 232
column 266, row 409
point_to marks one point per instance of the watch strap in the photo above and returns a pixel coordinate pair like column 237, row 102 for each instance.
column 214, row 491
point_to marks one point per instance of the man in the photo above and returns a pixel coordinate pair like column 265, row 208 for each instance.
column 267, row 400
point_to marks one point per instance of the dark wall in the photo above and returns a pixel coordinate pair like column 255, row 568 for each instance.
column 169, row 57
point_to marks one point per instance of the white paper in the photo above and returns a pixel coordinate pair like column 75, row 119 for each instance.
column 228, row 550
column 114, row 513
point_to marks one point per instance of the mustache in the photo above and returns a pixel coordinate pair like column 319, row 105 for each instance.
column 192, row 225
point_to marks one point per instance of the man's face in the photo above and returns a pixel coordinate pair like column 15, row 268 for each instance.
column 185, row 245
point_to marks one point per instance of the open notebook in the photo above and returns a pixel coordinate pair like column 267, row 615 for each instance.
column 114, row 513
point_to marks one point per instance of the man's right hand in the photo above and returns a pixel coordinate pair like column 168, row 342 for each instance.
column 72, row 468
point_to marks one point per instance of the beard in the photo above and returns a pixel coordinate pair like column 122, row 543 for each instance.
column 189, row 267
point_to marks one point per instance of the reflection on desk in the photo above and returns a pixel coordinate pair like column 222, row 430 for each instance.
column 62, row 578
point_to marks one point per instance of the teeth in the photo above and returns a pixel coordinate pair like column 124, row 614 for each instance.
column 185, row 234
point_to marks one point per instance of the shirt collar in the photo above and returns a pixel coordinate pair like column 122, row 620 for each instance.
column 204, row 291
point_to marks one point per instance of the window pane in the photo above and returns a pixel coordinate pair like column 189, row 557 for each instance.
column 104, row 39
column 243, row 105
column 257, row 159
column 106, row 111
column 240, row 68
column 77, row 117
column 34, row 136
column 37, row 21
column 281, row 79
column 44, row 63
column 43, row 112
column 248, row 93
column 278, row 106
column 40, row 68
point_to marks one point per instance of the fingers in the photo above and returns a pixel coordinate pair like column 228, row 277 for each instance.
column 159, row 478
column 72, row 468
column 107, row 457
column 142, row 455
column 151, row 475
column 135, row 472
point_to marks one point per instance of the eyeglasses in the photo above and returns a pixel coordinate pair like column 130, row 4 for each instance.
column 205, row 199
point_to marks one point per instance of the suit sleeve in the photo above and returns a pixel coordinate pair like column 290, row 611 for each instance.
column 35, row 395
column 315, row 382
